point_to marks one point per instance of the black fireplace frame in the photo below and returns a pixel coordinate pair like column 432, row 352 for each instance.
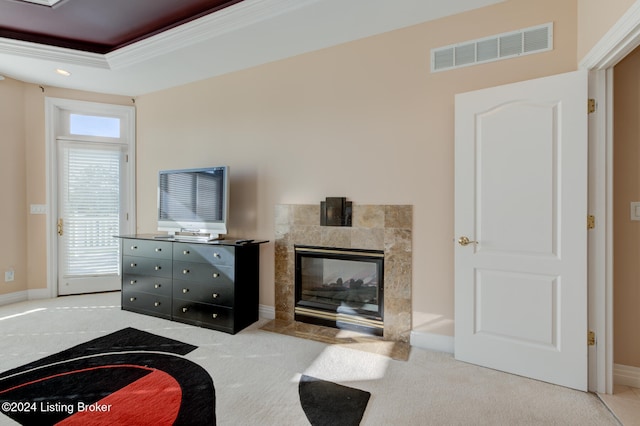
column 351, row 318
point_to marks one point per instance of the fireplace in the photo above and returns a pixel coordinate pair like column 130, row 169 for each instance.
column 340, row 287
column 386, row 228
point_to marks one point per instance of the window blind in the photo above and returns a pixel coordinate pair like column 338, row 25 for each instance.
column 90, row 210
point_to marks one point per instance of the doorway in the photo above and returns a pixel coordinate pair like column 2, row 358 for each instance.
column 621, row 40
column 626, row 220
column 90, row 190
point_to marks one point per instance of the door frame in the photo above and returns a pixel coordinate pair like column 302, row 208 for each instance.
column 55, row 108
column 617, row 43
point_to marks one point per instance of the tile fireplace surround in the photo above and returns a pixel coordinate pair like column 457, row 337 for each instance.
column 374, row 227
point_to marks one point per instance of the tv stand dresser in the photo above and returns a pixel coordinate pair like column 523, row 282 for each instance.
column 207, row 284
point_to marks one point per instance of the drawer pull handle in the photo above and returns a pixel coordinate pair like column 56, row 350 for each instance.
column 185, row 309
column 133, row 265
column 134, row 247
column 158, row 285
column 185, row 271
column 133, row 299
column 214, row 316
column 158, row 268
column 132, row 282
column 216, row 255
column 216, row 275
column 185, row 290
column 158, row 250
column 156, row 304
column 215, row 295
column 185, row 252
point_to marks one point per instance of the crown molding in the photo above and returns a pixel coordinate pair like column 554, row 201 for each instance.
column 52, row 53
column 246, row 34
column 229, row 19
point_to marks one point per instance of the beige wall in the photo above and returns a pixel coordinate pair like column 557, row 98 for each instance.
column 626, row 169
column 595, row 18
column 13, row 213
column 365, row 120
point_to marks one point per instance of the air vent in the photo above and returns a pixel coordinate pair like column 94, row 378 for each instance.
column 502, row 46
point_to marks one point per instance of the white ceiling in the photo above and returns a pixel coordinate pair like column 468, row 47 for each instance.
column 246, row 34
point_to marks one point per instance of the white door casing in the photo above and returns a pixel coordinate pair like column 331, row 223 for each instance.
column 521, row 193
column 57, row 128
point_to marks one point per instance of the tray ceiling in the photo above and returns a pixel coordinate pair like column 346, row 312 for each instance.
column 99, row 26
column 133, row 47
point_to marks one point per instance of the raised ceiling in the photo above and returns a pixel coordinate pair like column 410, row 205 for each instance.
column 133, row 47
column 99, row 26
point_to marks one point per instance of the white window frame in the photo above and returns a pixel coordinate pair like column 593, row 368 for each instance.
column 57, row 111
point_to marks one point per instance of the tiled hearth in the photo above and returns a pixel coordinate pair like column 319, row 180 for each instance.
column 375, row 227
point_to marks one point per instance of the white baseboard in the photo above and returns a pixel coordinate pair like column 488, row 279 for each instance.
column 267, row 312
column 432, row 342
column 21, row 296
column 40, row 293
column 18, row 296
column 626, row 375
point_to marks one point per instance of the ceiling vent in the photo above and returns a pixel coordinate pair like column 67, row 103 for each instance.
column 502, row 46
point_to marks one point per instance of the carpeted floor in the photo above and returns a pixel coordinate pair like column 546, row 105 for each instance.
column 134, row 377
column 260, row 377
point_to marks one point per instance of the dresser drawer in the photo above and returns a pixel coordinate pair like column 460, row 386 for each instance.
column 217, row 294
column 147, row 284
column 203, row 314
column 147, row 303
column 145, row 266
column 202, row 272
column 202, row 253
column 147, row 248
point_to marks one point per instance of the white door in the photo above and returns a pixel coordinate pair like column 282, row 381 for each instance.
column 91, row 192
column 91, row 159
column 521, row 201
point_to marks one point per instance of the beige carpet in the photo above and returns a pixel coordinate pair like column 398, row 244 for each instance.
column 256, row 372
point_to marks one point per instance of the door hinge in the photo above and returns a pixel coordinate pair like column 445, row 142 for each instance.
column 591, row 106
column 591, row 221
column 591, row 338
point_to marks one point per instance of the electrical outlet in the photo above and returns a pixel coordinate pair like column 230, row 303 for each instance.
column 9, row 275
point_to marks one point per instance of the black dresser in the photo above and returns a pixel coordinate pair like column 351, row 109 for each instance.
column 208, row 284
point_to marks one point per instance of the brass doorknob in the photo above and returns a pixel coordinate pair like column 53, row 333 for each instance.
column 465, row 241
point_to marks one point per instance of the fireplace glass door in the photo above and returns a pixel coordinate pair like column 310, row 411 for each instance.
column 339, row 284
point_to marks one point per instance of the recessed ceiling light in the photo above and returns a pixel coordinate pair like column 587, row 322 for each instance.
column 63, row 72
column 43, row 2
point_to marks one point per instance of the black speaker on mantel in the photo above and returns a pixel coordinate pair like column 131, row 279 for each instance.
column 335, row 211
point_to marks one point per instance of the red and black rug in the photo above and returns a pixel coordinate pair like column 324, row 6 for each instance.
column 132, row 377
column 129, row 377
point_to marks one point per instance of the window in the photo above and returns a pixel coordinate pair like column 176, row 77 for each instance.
column 90, row 125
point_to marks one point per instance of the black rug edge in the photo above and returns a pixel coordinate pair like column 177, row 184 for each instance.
column 124, row 340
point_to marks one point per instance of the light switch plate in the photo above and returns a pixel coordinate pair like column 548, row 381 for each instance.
column 38, row 209
column 635, row 210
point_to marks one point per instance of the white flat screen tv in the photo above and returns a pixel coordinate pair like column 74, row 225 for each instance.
column 194, row 203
